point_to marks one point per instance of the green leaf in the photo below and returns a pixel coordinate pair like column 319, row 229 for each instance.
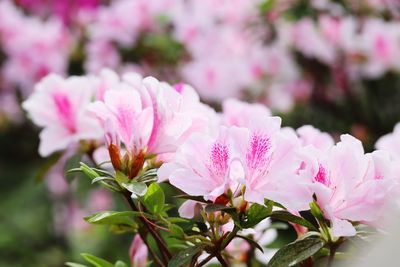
column 183, row 257
column 71, row 163
column 195, row 198
column 176, row 231
column 296, row 252
column 255, row 214
column 121, row 178
column 102, row 179
column 73, row 264
column 154, row 199
column 120, row 264
column 113, row 217
column 137, row 189
column 96, row 261
column 150, row 175
column 251, row 242
column 88, row 171
column 316, row 211
column 177, row 220
column 216, row 207
column 121, row 228
column 266, row 5
column 288, row 217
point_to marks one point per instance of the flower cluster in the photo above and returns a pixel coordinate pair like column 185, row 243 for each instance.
column 232, row 165
column 240, row 49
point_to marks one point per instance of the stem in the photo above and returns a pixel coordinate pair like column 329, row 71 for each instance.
column 160, row 242
column 216, row 253
column 222, row 260
column 332, row 251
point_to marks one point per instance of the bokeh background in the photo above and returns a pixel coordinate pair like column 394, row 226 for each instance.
column 332, row 64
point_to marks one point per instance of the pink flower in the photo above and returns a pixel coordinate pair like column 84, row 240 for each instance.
column 59, row 106
column 309, row 41
column 32, row 46
column 350, row 186
column 269, row 160
column 262, row 159
column 138, row 252
column 203, row 164
column 312, row 136
column 391, row 143
column 242, row 114
column 149, row 117
column 380, row 45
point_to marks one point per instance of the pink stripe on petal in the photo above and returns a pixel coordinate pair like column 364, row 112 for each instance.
column 65, row 111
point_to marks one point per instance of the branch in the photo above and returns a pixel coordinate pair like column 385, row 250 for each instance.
column 217, row 252
column 160, row 242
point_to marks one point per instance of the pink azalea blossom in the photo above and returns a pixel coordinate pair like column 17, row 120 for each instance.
column 269, row 160
column 262, row 158
column 310, row 135
column 391, row 143
column 32, row 46
column 203, row 164
column 59, row 106
column 350, row 186
column 308, row 40
column 379, row 43
column 138, row 252
column 148, row 116
column 242, row 114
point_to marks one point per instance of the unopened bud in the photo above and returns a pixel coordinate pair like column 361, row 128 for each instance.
column 222, row 200
column 115, row 156
column 136, row 165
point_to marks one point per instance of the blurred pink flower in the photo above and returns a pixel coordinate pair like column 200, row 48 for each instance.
column 310, row 135
column 65, row 10
column 59, row 106
column 242, row 114
column 32, row 46
column 391, row 142
column 138, row 252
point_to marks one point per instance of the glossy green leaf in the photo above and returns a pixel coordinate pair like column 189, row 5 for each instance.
column 251, row 242
column 154, row 199
column 216, row 207
column 255, row 214
column 288, row 217
column 96, row 261
column 184, row 256
column 195, row 198
column 137, row 189
column 113, row 217
column 296, row 252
